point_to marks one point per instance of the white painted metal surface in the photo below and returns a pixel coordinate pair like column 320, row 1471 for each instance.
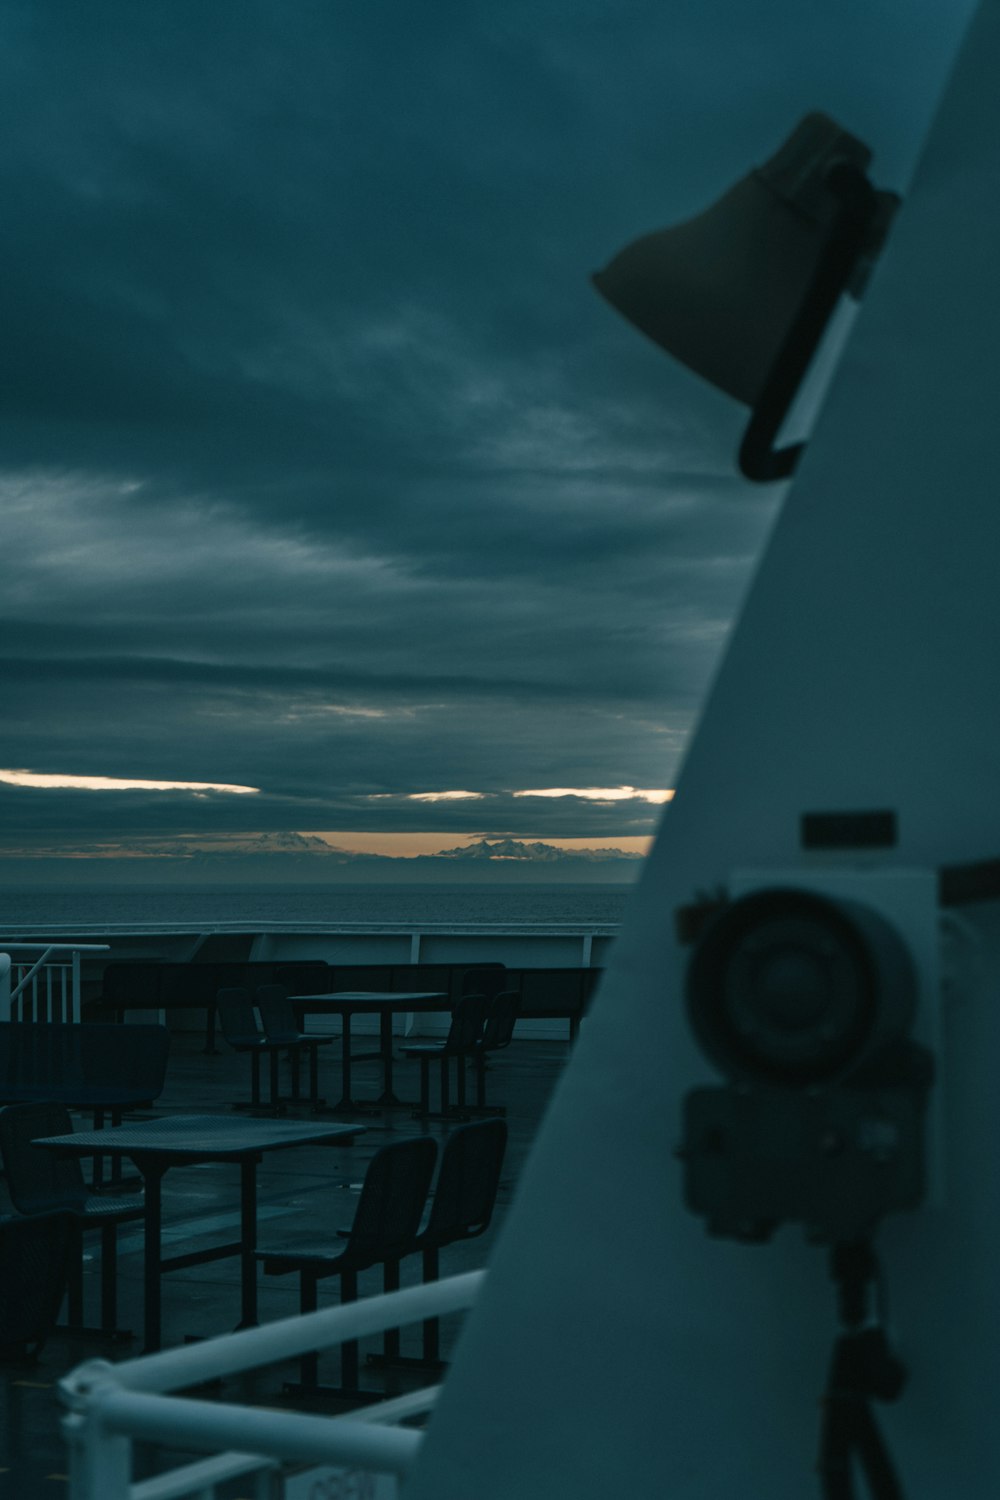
column 618, row 1350
column 46, row 988
column 111, row 1406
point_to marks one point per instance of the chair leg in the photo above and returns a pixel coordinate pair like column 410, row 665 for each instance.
column 425, row 1085
column 74, row 1285
column 295, row 1058
column 430, row 1352
column 349, row 1351
column 275, row 1108
column 390, row 1283
column 432, row 1326
column 445, row 1081
column 309, row 1363
column 109, row 1278
column 255, row 1078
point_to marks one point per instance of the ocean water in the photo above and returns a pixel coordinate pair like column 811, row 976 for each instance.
column 261, row 906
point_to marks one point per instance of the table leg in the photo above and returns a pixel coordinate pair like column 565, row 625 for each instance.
column 152, row 1173
column 248, row 1242
column 345, row 1061
column 385, row 1041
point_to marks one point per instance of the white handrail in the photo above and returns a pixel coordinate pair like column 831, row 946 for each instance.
column 62, row 997
column 112, row 1405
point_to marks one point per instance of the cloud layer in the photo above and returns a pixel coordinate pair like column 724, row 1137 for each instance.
column 322, row 468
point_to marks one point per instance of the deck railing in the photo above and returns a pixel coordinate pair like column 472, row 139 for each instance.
column 364, row 1453
column 46, row 988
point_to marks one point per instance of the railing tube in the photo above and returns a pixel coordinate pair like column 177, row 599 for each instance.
column 100, row 1461
column 192, row 1364
column 180, row 1422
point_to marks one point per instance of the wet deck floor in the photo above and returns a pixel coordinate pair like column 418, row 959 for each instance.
column 299, row 1191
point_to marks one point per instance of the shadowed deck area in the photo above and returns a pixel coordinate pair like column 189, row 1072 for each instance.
column 302, row 1193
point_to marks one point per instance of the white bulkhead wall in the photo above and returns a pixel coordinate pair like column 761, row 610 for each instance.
column 618, row 1349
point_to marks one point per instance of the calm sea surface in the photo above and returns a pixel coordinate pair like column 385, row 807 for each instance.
column 261, row 905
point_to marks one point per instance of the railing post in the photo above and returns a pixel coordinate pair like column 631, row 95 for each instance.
column 100, row 1461
column 75, row 1000
column 100, row 1464
column 4, row 986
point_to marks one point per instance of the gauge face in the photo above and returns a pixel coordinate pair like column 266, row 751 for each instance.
column 788, row 987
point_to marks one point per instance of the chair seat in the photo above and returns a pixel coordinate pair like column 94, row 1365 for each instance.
column 132, row 1206
column 298, row 1039
column 316, row 1259
column 422, row 1049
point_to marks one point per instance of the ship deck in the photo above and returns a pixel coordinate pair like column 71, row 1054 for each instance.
column 299, row 1191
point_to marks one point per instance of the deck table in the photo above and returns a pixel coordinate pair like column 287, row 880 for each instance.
column 188, row 1140
column 383, row 1003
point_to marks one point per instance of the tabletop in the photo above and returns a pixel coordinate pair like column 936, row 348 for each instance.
column 198, row 1135
column 377, row 999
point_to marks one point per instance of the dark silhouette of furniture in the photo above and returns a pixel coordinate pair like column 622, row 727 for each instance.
column 149, row 984
column 563, row 994
column 96, row 1066
column 40, row 1183
column 90, row 1065
column 281, row 1027
column 393, row 1197
column 238, row 1020
column 468, row 1020
column 34, row 1269
column 191, row 1140
column 546, row 993
column 461, row 1209
column 483, row 979
column 384, row 1004
column 498, row 1033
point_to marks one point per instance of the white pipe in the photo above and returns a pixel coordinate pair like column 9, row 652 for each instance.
column 200, row 1477
column 232, row 1352
column 180, row 1422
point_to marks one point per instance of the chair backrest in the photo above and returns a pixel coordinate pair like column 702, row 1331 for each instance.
column 468, row 1020
column 39, row 1181
column 393, row 1196
column 503, row 1013
column 131, row 1057
column 37, row 1056
column 467, row 1183
column 34, row 1266
column 277, row 1013
column 237, row 1018
column 90, row 1063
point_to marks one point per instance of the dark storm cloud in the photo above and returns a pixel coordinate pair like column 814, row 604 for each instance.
column 323, row 468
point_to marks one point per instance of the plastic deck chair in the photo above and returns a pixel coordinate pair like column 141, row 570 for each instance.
column 238, row 1021
column 39, row 1182
column 468, row 1020
column 393, row 1196
column 497, row 1034
column 277, row 1014
column 461, row 1209
column 34, row 1270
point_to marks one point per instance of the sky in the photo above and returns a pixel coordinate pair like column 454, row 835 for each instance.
column 329, row 487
